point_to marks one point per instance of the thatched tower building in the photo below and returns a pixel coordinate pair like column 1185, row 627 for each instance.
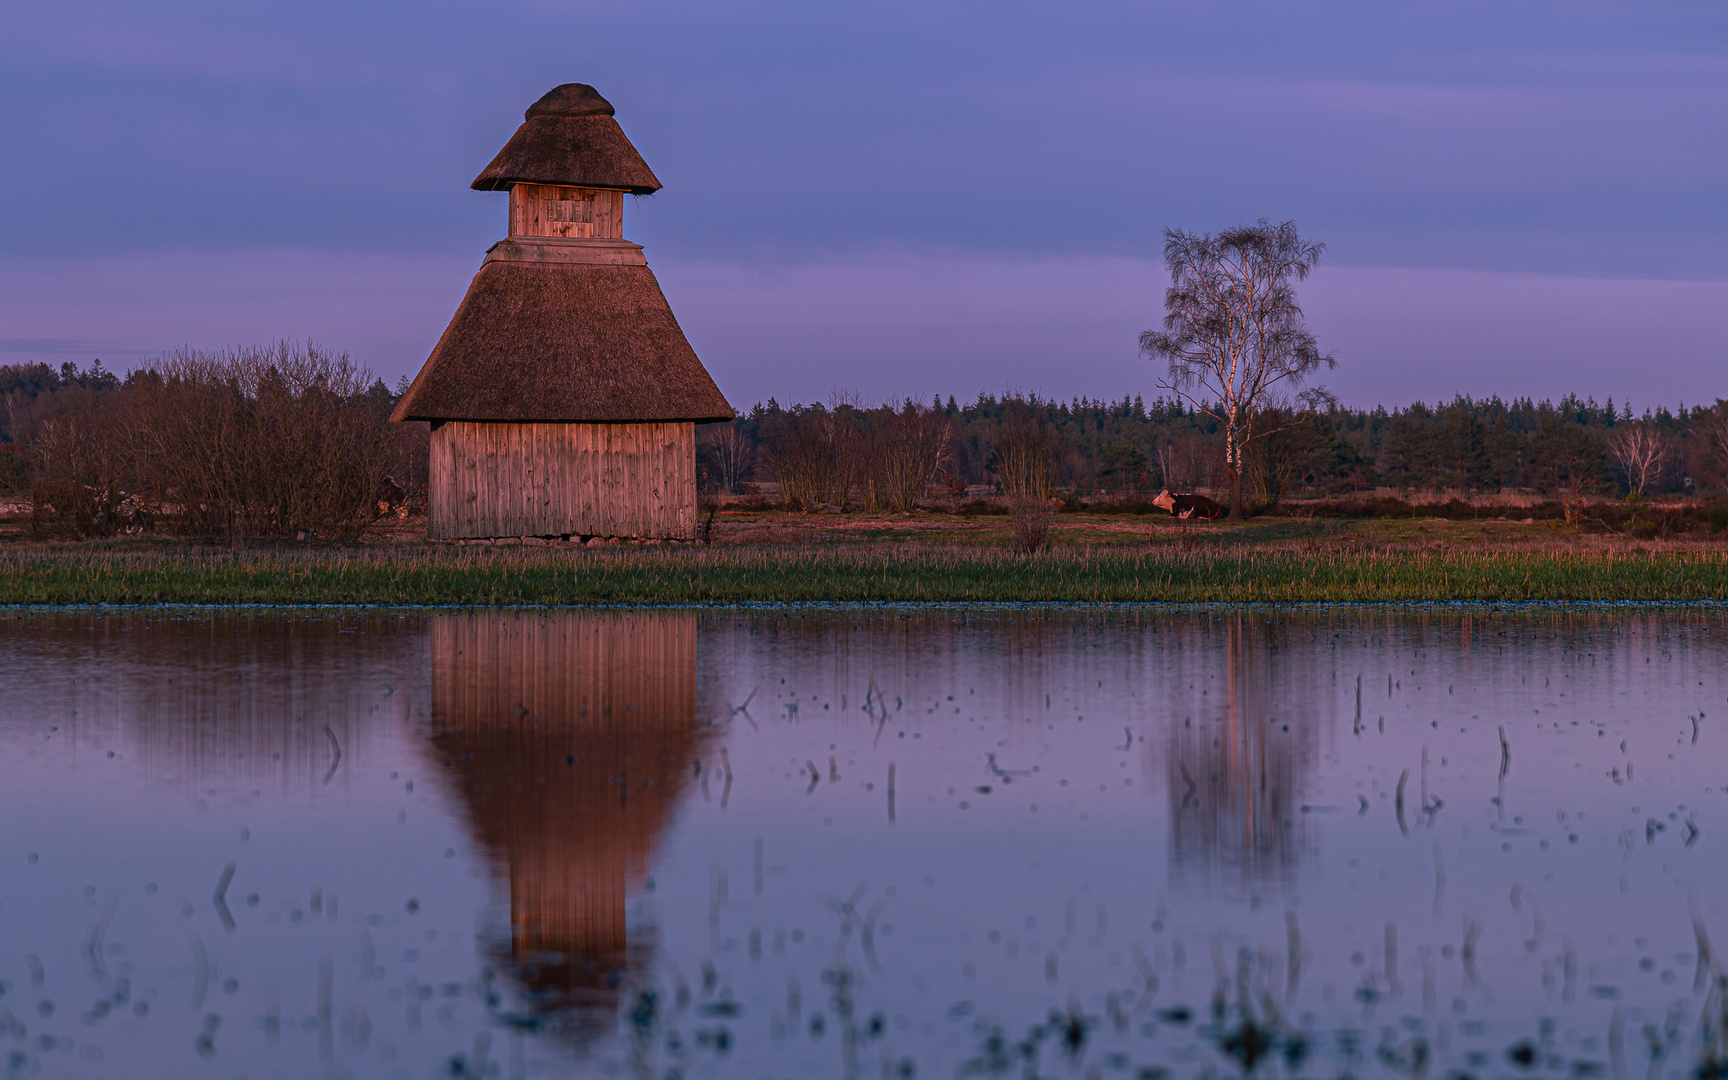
column 563, row 396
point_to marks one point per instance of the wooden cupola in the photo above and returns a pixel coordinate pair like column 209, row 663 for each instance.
column 564, row 395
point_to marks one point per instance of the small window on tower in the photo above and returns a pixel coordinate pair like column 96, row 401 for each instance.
column 559, row 210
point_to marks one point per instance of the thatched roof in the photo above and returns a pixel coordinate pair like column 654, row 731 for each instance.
column 563, row 343
column 569, row 139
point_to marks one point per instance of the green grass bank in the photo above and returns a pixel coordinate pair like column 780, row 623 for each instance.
column 898, row 573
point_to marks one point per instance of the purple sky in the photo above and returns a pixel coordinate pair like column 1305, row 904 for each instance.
column 894, row 198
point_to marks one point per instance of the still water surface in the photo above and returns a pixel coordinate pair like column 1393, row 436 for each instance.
column 901, row 843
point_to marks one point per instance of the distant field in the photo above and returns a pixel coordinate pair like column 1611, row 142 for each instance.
column 785, row 558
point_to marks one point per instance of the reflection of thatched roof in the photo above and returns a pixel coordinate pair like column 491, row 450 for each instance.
column 570, row 739
column 564, row 343
column 569, row 139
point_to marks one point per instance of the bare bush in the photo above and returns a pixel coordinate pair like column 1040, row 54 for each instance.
column 282, row 440
column 1027, row 458
column 731, row 457
column 1641, row 454
column 815, row 454
column 907, row 449
column 1286, row 447
column 83, row 469
column 275, row 441
column 1031, row 517
column 1186, row 462
column 406, row 485
column 1569, row 463
column 800, row 454
column 1713, row 433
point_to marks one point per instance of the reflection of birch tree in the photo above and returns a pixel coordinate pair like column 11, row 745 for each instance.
column 1233, row 775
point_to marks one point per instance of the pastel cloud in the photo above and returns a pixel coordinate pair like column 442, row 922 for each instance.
column 916, row 323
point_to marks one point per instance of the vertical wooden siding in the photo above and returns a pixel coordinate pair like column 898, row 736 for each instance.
column 574, row 213
column 493, row 479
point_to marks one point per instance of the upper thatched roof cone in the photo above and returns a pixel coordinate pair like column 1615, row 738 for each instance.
column 570, row 99
column 569, row 138
column 565, row 329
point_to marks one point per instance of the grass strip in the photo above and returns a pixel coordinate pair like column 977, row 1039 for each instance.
column 896, row 574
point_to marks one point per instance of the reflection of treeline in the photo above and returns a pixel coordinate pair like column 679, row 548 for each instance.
column 228, row 701
column 273, row 441
column 839, row 453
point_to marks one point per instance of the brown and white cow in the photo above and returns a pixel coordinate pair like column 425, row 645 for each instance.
column 1189, row 506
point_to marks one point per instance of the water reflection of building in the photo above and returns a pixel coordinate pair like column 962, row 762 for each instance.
column 569, row 738
column 1241, row 750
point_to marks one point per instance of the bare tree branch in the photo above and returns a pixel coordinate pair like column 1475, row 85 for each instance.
column 1641, row 452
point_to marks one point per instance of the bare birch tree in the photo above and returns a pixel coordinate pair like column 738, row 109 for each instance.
column 1641, row 452
column 1233, row 333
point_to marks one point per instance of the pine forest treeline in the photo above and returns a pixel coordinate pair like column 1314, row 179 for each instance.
column 285, row 439
column 1573, row 447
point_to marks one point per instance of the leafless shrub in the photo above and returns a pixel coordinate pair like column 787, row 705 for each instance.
column 1185, row 462
column 730, row 457
column 410, row 446
column 1641, row 454
column 1286, row 446
column 1712, row 433
column 1027, row 458
column 1570, row 464
column 908, row 449
column 1031, row 517
column 800, row 454
column 83, row 468
column 281, row 440
column 815, row 454
column 708, row 502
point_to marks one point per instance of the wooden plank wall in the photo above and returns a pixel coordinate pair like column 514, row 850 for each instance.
column 570, row 738
column 632, row 480
column 574, row 213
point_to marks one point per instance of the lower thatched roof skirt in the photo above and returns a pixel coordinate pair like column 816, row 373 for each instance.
column 552, row 342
